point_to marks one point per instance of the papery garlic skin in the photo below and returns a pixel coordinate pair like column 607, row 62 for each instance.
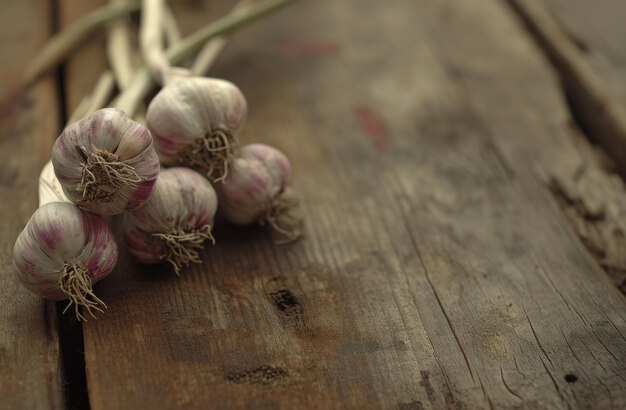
column 175, row 222
column 50, row 189
column 195, row 122
column 106, row 162
column 60, row 245
column 258, row 176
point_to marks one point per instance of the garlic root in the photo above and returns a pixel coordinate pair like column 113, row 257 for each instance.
column 281, row 216
column 76, row 284
column 211, row 154
column 182, row 247
column 103, row 174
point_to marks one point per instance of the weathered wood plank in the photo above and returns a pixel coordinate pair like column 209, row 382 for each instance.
column 438, row 268
column 583, row 41
column 30, row 375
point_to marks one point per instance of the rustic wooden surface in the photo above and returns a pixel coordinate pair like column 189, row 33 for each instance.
column 460, row 229
column 30, row 371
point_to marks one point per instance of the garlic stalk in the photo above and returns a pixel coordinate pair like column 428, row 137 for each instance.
column 170, row 26
column 209, row 53
column 106, row 163
column 130, row 99
column 151, row 39
column 195, row 122
column 257, row 190
column 59, row 46
column 97, row 99
column 119, row 50
column 62, row 252
column 175, row 222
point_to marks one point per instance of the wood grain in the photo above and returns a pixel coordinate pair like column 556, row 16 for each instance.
column 439, row 268
column 30, row 371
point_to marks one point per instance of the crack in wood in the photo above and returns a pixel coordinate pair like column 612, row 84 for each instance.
column 592, row 103
column 597, row 215
column 599, row 226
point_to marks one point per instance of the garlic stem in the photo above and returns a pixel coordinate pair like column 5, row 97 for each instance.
column 59, row 46
column 102, row 92
column 130, row 99
column 225, row 25
column 151, row 39
column 120, row 51
column 98, row 98
column 209, row 53
column 170, row 26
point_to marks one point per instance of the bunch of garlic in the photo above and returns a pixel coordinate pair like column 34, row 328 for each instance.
column 195, row 122
column 175, row 222
column 106, row 163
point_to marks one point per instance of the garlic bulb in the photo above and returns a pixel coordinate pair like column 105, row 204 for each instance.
column 62, row 252
column 106, row 163
column 195, row 122
column 256, row 190
column 175, row 222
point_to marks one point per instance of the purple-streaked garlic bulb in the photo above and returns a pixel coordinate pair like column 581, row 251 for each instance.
column 257, row 190
column 62, row 252
column 195, row 122
column 175, row 222
column 106, row 163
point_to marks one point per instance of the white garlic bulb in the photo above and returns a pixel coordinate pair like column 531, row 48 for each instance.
column 175, row 222
column 62, row 252
column 106, row 163
column 257, row 190
column 195, row 122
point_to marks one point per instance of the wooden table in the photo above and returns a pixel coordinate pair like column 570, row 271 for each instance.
column 459, row 164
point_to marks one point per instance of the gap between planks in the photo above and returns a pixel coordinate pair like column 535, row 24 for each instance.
column 30, row 359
